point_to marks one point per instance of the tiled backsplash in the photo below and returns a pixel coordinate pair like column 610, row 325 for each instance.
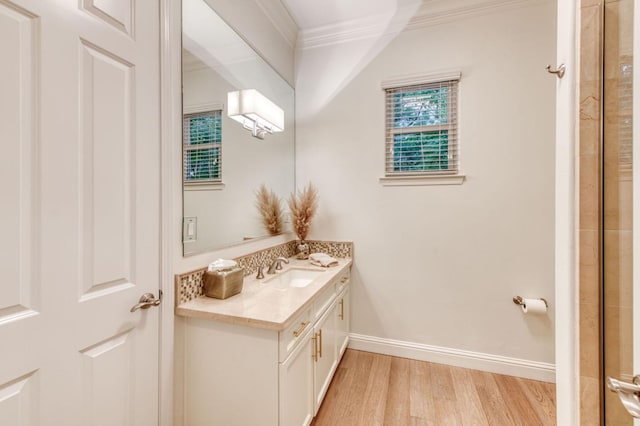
column 189, row 285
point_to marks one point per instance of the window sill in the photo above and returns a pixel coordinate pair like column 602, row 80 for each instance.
column 422, row 180
column 204, row 186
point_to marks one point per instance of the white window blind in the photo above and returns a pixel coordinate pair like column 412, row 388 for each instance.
column 202, row 147
column 422, row 129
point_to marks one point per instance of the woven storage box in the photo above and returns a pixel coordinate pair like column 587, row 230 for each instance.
column 223, row 284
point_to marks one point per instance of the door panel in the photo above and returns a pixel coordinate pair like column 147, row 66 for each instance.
column 20, row 284
column 80, row 164
column 17, row 400
column 108, row 381
column 18, row 162
column 108, row 209
column 118, row 14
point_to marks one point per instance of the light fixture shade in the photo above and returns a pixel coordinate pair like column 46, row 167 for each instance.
column 252, row 109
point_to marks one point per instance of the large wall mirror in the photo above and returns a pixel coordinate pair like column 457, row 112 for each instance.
column 223, row 164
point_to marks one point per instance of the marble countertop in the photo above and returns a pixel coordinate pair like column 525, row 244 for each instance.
column 263, row 306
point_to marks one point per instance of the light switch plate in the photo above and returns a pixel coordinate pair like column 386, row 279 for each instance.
column 189, row 229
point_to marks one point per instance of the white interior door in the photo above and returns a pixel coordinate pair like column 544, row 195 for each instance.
column 80, row 212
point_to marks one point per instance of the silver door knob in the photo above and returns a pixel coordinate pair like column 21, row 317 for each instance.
column 629, row 394
column 146, row 301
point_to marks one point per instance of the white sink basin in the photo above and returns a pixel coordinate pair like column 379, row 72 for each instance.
column 294, row 277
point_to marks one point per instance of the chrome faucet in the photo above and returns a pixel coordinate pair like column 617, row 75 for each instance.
column 277, row 264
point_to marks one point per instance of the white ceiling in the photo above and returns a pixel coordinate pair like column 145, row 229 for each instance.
column 313, row 23
column 309, row 14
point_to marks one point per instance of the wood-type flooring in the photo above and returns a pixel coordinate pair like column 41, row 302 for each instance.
column 372, row 389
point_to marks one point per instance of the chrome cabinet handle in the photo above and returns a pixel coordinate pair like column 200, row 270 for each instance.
column 341, row 314
column 146, row 301
column 629, row 394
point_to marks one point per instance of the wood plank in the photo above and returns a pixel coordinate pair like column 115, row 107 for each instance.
column 442, row 383
column 375, row 394
column 420, row 391
column 334, row 404
column 542, row 397
column 357, row 366
column 349, row 359
column 416, row 421
column 469, row 403
column 397, row 410
column 447, row 412
column 493, row 405
column 516, row 401
column 361, row 369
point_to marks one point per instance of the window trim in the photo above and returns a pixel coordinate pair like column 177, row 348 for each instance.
column 415, row 178
column 409, row 180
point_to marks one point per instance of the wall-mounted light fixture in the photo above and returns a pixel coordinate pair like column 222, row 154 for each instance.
column 255, row 112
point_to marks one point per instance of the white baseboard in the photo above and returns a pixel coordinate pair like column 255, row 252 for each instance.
column 535, row 370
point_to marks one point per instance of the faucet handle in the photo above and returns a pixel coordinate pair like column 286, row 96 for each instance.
column 260, row 273
column 279, row 262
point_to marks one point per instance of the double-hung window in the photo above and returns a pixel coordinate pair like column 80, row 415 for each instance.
column 202, row 147
column 422, row 127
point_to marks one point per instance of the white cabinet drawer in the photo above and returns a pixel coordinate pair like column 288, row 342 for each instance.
column 343, row 280
column 322, row 302
column 290, row 336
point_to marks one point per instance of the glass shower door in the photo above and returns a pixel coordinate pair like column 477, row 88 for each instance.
column 618, row 218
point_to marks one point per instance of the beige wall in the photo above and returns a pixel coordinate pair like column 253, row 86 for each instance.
column 438, row 265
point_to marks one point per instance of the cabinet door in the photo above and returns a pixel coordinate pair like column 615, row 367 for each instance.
column 296, row 385
column 342, row 322
column 326, row 354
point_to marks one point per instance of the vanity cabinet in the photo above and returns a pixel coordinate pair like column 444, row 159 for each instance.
column 343, row 321
column 325, row 359
column 296, row 384
column 242, row 375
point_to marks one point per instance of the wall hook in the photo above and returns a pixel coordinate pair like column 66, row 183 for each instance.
column 559, row 72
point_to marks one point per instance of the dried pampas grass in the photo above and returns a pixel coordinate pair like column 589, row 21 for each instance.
column 270, row 209
column 303, row 206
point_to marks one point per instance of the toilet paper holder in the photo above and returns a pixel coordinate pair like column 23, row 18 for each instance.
column 518, row 300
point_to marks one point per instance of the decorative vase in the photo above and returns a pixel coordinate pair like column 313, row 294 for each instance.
column 302, row 250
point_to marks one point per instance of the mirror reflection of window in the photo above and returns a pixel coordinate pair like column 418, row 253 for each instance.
column 202, row 147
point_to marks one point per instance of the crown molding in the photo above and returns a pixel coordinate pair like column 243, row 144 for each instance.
column 280, row 18
column 440, row 11
column 432, row 12
column 342, row 32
